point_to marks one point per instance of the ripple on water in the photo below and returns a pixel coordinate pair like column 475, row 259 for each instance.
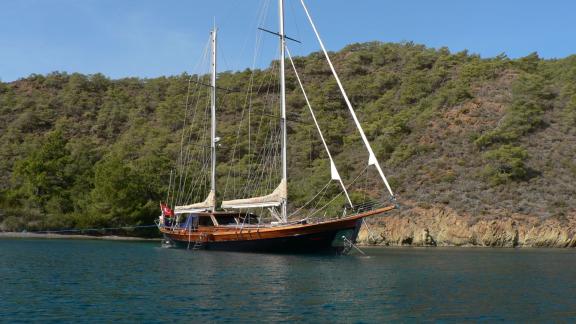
column 139, row 281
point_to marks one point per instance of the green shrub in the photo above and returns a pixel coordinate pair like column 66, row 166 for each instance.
column 528, row 63
column 506, row 163
column 531, row 96
column 406, row 151
column 520, row 119
column 569, row 113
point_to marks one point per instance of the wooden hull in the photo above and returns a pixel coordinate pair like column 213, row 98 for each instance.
column 307, row 243
column 323, row 237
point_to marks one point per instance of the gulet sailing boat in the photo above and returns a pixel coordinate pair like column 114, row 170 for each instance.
column 231, row 226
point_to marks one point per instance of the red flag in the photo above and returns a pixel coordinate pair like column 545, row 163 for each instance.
column 166, row 210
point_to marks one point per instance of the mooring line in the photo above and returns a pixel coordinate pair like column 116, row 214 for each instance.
column 352, row 244
column 93, row 229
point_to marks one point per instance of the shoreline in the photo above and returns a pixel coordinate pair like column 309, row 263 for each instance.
column 50, row 236
column 21, row 235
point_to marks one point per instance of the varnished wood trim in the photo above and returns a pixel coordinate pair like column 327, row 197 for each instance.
column 225, row 233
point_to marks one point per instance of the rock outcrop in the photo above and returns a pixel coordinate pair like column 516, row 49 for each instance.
column 441, row 226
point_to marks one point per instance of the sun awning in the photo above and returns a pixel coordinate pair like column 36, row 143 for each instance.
column 276, row 198
column 209, row 203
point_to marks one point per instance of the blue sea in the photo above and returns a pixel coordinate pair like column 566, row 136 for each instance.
column 110, row 281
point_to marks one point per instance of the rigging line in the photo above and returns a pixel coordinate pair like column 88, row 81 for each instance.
column 268, row 175
column 190, row 148
column 294, row 20
column 252, row 180
column 198, row 145
column 332, row 164
column 191, row 128
column 322, row 208
column 206, row 159
column 318, row 201
column 232, row 159
column 250, row 91
column 219, row 88
column 169, row 185
column 200, row 193
column 199, row 181
column 250, row 27
column 170, row 199
column 179, row 164
column 267, row 153
column 93, row 229
column 203, row 134
column 372, row 159
column 309, row 201
column 274, row 164
column 331, row 201
column 253, row 164
column 251, row 184
column 294, row 120
column 248, row 97
column 265, row 162
column 270, row 101
column 187, row 109
column 191, row 184
column 259, row 44
column 268, row 82
column 236, row 144
column 185, row 160
column 266, row 97
column 205, row 54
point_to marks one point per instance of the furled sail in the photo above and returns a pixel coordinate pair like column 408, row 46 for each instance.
column 276, row 198
column 209, row 203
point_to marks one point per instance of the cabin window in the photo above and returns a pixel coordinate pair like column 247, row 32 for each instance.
column 205, row 221
column 226, row 219
column 190, row 221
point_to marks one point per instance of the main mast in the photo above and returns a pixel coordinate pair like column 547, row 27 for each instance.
column 213, row 138
column 283, row 106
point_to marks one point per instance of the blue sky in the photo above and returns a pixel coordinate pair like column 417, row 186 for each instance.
column 148, row 38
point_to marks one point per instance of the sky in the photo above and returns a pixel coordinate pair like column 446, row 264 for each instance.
column 150, row 38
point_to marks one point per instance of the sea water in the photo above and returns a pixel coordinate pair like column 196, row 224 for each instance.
column 110, row 281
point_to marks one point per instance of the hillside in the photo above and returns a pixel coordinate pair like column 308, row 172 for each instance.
column 480, row 140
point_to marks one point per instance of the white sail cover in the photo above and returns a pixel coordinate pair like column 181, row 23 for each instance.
column 209, row 203
column 276, row 198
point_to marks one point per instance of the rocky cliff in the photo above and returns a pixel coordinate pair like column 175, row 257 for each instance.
column 442, row 226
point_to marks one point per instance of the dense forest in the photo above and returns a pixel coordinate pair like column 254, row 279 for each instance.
column 482, row 136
